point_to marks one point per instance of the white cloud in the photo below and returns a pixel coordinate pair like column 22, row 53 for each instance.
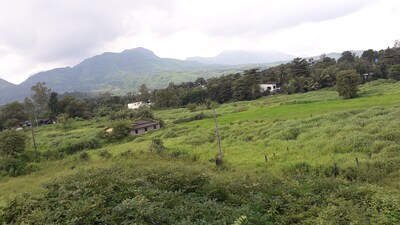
column 36, row 35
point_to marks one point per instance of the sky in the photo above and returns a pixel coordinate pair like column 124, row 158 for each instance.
column 39, row 35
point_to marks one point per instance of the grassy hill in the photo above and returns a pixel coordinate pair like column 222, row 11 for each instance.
column 313, row 143
column 117, row 73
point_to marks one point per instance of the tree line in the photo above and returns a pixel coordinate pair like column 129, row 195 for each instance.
column 297, row 76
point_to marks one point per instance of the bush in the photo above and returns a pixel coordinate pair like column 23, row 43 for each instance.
column 12, row 142
column 121, row 130
column 157, row 146
column 394, row 72
column 347, row 82
column 191, row 107
column 199, row 116
column 105, row 154
column 73, row 146
column 84, row 156
column 12, row 166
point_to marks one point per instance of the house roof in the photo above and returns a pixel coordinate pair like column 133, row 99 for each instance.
column 144, row 123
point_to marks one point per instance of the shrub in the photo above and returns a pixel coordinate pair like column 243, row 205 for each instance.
column 121, row 130
column 157, row 146
column 84, row 156
column 347, row 82
column 394, row 72
column 12, row 142
column 72, row 146
column 12, row 166
column 53, row 154
column 105, row 154
column 199, row 116
column 191, row 107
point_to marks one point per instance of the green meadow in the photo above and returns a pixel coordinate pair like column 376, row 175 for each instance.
column 314, row 135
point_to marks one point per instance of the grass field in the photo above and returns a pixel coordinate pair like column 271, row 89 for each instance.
column 280, row 134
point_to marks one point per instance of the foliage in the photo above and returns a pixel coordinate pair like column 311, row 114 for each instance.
column 199, row 116
column 40, row 96
column 157, row 146
column 394, row 72
column 347, row 82
column 53, row 105
column 191, row 107
column 174, row 195
column 12, row 143
column 12, row 114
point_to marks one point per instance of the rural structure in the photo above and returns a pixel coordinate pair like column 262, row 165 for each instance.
column 144, row 126
column 271, row 87
column 135, row 105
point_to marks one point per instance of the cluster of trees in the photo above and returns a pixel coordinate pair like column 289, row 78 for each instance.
column 301, row 75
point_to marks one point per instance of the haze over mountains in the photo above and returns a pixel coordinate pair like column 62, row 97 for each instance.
column 244, row 57
column 126, row 71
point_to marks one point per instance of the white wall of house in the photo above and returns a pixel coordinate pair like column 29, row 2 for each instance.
column 268, row 87
column 144, row 130
column 135, row 105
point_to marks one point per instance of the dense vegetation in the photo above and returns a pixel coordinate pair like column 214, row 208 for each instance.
column 310, row 158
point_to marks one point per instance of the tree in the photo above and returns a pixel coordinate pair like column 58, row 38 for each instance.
column 347, row 56
column 200, row 81
column 73, row 107
column 394, row 72
column 370, row 55
column 246, row 88
column 299, row 67
column 53, row 105
column 165, row 98
column 347, row 82
column 12, row 113
column 144, row 94
column 40, row 96
column 12, row 142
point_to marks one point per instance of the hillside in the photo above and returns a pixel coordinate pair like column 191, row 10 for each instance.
column 8, row 91
column 301, row 158
column 115, row 72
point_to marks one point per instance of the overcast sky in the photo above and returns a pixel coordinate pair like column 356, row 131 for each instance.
column 38, row 35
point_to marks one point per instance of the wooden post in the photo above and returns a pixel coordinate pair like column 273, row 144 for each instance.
column 221, row 157
column 34, row 143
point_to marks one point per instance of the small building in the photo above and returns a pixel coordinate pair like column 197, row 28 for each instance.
column 144, row 126
column 135, row 105
column 367, row 76
column 271, row 87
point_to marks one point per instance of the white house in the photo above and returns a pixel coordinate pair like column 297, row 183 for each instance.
column 271, row 87
column 135, row 105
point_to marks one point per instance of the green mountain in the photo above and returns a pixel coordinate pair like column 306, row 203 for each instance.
column 6, row 84
column 115, row 72
column 8, row 91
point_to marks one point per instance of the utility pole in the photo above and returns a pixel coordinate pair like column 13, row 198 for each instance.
column 220, row 160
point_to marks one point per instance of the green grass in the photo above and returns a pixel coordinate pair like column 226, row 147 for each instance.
column 316, row 128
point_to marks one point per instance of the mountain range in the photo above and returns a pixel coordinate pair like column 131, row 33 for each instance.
column 127, row 70
column 114, row 72
column 244, row 57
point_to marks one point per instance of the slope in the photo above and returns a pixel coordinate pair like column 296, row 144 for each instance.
column 115, row 72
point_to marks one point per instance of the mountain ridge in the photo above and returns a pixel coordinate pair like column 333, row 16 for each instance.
column 117, row 72
column 241, row 57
